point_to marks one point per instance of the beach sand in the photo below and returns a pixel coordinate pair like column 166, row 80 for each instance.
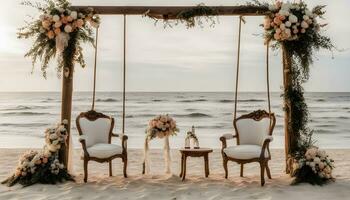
column 161, row 186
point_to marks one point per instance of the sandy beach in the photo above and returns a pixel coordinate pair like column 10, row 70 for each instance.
column 157, row 185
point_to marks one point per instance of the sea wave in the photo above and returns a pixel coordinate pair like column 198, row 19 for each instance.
column 240, row 100
column 193, row 115
column 107, row 100
column 26, row 113
column 192, row 100
column 20, row 107
column 24, row 125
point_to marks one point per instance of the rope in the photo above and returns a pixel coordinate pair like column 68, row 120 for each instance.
column 268, row 80
column 268, row 76
column 95, row 66
column 238, row 62
column 124, row 72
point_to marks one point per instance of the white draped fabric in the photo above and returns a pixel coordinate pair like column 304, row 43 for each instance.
column 167, row 158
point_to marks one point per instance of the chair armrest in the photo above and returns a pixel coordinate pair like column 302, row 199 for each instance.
column 123, row 138
column 225, row 137
column 82, row 140
column 265, row 146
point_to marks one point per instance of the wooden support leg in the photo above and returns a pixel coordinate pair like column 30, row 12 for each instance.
column 206, row 165
column 143, row 167
column 184, row 170
column 182, row 165
column 85, row 170
column 262, row 174
column 242, row 166
column 268, row 170
column 225, row 167
column 110, row 168
column 125, row 160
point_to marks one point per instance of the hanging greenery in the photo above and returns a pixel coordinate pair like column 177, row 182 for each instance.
column 196, row 16
column 59, row 32
column 295, row 29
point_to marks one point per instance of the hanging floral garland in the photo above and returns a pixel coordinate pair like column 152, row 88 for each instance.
column 295, row 29
column 59, row 31
column 43, row 166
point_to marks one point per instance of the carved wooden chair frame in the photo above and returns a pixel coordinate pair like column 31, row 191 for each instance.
column 92, row 116
column 257, row 116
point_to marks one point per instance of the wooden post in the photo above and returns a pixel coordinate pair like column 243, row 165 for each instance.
column 66, row 109
column 287, row 82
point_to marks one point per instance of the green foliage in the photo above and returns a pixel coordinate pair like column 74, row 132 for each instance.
column 192, row 17
column 44, row 48
column 306, row 175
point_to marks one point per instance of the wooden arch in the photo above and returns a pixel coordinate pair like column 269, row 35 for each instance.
column 171, row 12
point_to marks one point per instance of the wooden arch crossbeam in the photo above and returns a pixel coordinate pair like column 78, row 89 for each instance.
column 171, row 12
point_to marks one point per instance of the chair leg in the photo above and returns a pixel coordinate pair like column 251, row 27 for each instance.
column 85, row 169
column 225, row 167
column 110, row 168
column 125, row 161
column 262, row 172
column 268, row 170
column 242, row 166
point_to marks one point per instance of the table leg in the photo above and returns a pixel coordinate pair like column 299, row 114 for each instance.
column 206, row 165
column 182, row 165
column 184, row 168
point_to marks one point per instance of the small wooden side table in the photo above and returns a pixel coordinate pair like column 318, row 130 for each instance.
column 202, row 152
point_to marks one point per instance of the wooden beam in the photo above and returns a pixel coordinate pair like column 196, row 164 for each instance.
column 173, row 11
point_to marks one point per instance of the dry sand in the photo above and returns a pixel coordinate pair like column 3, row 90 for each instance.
column 160, row 186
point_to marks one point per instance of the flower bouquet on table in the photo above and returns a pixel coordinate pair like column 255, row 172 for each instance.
column 43, row 166
column 161, row 126
column 313, row 167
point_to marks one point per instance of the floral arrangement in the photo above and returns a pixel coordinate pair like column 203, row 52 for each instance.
column 314, row 167
column 43, row 166
column 59, row 30
column 289, row 21
column 161, row 126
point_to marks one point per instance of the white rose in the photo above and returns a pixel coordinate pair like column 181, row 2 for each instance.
column 304, row 25
column 312, row 164
column 56, row 18
column 282, row 27
column 68, row 29
column 321, row 165
column 288, row 24
column 305, row 17
column 74, row 14
column 61, row 10
column 58, row 24
column 317, row 160
column 272, row 7
column 293, row 18
column 65, row 121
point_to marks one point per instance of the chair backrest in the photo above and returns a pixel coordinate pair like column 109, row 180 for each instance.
column 95, row 127
column 253, row 128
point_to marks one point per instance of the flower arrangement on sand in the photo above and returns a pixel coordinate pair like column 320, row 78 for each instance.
column 161, row 126
column 314, row 167
column 43, row 166
column 59, row 31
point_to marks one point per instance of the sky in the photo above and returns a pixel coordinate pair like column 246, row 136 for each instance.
column 174, row 59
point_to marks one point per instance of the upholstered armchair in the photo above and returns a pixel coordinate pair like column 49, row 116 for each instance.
column 96, row 132
column 253, row 136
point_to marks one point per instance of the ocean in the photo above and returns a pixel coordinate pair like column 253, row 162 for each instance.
column 24, row 116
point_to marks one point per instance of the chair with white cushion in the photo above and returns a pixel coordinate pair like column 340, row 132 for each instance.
column 96, row 132
column 253, row 136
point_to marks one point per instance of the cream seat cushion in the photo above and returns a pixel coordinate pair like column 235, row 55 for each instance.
column 102, row 150
column 244, row 152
